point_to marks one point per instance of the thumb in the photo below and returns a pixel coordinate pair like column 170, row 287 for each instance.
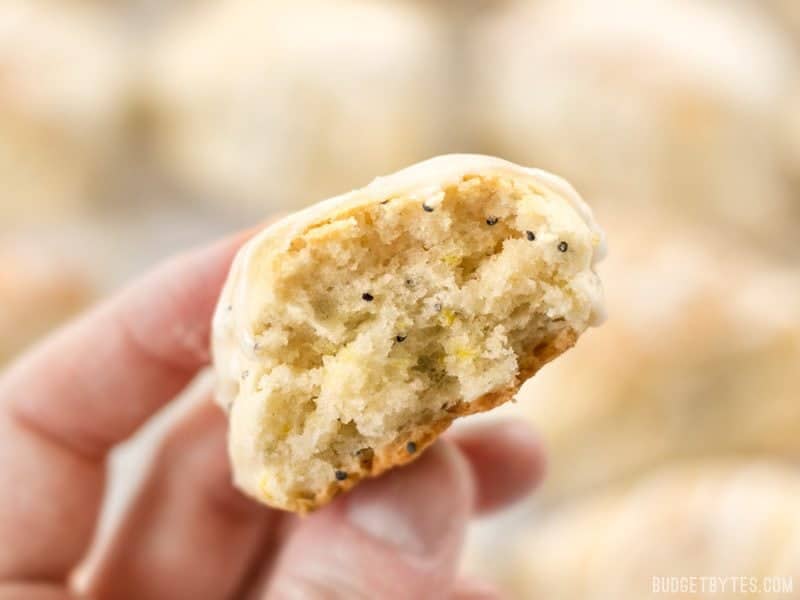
column 398, row 536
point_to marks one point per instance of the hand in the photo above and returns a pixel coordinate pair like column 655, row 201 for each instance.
column 189, row 533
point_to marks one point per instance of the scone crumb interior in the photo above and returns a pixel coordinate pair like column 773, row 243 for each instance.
column 396, row 316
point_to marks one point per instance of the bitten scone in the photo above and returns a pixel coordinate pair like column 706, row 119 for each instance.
column 349, row 335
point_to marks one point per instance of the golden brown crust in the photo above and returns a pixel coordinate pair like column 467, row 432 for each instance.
column 397, row 453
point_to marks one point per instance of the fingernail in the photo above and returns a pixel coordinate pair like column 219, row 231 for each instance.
column 416, row 509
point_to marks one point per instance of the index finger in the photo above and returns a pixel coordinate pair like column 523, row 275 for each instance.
column 97, row 380
column 90, row 386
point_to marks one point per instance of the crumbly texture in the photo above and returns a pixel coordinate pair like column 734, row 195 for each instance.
column 386, row 320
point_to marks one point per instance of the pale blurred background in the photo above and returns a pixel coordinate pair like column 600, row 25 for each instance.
column 133, row 129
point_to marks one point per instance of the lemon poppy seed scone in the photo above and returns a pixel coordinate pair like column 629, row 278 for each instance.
column 715, row 518
column 64, row 90
column 254, row 103
column 700, row 89
column 349, row 335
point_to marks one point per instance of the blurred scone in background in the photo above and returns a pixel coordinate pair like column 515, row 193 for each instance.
column 133, row 129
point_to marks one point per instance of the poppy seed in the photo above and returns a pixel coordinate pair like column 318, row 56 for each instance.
column 341, row 475
column 530, row 235
column 367, row 296
column 563, row 246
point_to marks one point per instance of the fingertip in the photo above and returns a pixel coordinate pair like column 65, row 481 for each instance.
column 418, row 508
column 526, row 445
column 399, row 535
column 507, row 459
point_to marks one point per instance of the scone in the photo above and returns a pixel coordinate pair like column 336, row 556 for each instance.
column 349, row 335
column 64, row 88
column 710, row 518
column 665, row 105
column 260, row 104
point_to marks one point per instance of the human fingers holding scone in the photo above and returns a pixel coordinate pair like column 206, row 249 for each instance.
column 351, row 334
column 346, row 338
